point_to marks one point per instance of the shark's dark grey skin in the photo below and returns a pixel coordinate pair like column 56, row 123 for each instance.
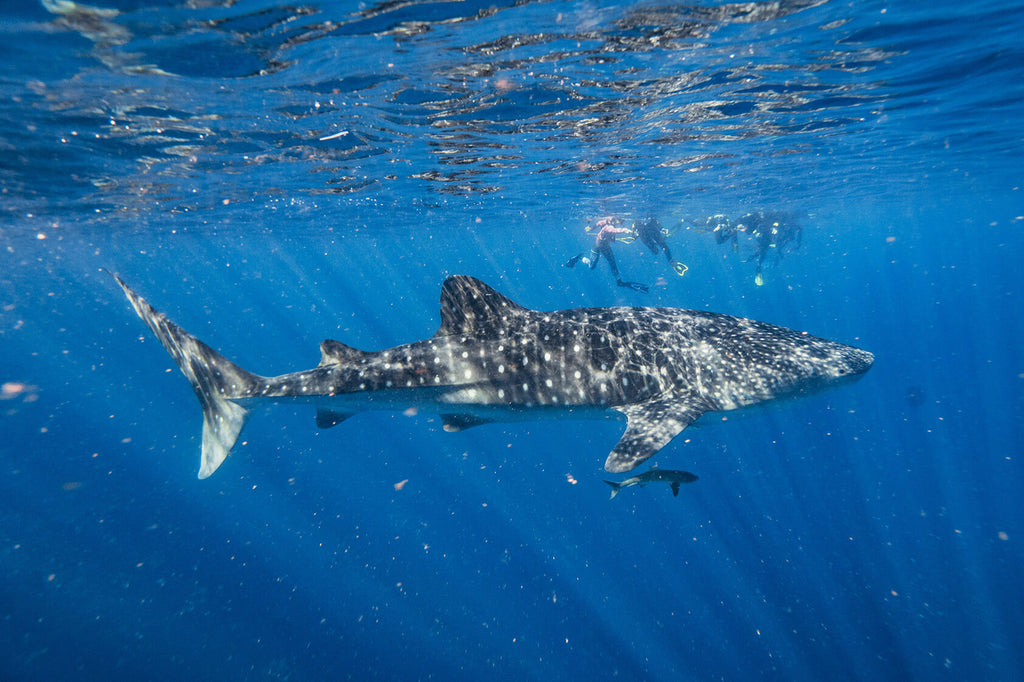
column 654, row 475
column 494, row 360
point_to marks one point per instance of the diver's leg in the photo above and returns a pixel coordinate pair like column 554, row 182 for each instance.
column 635, row 286
column 606, row 251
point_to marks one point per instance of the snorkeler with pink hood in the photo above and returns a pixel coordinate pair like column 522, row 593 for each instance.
column 607, row 228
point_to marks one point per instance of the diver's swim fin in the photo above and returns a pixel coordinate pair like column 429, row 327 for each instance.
column 635, row 286
column 573, row 261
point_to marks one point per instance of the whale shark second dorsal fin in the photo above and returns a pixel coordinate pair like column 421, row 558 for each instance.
column 471, row 308
column 336, row 353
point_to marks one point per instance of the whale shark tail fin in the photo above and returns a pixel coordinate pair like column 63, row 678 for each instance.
column 217, row 381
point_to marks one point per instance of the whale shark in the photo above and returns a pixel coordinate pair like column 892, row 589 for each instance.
column 654, row 475
column 493, row 360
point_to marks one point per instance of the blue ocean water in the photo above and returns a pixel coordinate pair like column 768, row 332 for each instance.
column 271, row 175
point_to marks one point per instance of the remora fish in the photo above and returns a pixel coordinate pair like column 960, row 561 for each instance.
column 654, row 475
column 494, row 360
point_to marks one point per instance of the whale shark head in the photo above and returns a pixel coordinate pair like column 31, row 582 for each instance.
column 824, row 365
column 853, row 363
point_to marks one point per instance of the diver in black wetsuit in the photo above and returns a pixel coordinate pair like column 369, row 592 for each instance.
column 771, row 230
column 650, row 232
column 723, row 230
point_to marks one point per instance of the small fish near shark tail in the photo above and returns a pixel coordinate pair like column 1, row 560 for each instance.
column 655, row 475
column 616, row 487
column 216, row 380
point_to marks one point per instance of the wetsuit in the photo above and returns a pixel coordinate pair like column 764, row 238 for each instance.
column 603, row 247
column 649, row 232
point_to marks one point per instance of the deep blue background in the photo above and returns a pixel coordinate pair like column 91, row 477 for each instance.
column 868, row 533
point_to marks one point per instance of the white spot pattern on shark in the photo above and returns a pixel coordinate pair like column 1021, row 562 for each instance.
column 660, row 368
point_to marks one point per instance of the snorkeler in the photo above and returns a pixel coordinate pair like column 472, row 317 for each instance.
column 650, row 232
column 607, row 228
column 771, row 231
column 723, row 230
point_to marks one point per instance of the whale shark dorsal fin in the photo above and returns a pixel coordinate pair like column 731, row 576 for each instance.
column 336, row 353
column 471, row 308
column 650, row 426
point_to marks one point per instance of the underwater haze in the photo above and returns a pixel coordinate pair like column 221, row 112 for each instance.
column 272, row 175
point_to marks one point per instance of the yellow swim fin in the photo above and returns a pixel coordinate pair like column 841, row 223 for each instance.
column 759, row 279
column 679, row 268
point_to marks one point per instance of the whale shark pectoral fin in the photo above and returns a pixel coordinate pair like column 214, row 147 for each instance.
column 675, row 488
column 453, row 423
column 649, row 427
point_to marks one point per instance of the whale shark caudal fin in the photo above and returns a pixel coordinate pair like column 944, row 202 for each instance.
column 216, row 380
